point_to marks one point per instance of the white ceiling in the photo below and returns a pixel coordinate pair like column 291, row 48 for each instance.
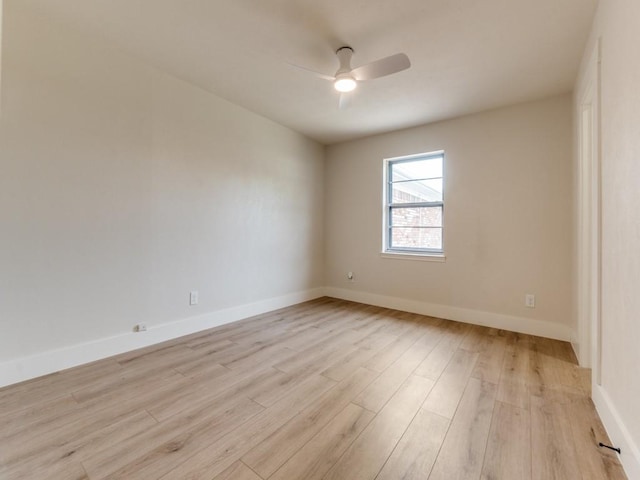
column 467, row 55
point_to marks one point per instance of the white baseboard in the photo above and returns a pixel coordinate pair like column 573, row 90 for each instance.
column 575, row 345
column 25, row 368
column 618, row 433
column 495, row 320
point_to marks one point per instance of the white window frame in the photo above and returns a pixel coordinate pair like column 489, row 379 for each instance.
column 388, row 251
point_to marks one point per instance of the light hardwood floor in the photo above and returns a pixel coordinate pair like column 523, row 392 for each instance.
column 327, row 389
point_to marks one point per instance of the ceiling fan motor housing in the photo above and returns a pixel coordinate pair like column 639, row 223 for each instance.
column 344, row 56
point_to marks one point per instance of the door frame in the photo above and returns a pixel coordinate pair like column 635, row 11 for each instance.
column 589, row 285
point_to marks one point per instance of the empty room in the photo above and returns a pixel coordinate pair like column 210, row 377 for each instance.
column 296, row 239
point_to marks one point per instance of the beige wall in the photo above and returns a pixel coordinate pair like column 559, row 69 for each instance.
column 122, row 189
column 616, row 25
column 508, row 194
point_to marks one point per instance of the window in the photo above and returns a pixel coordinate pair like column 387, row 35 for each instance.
column 414, row 204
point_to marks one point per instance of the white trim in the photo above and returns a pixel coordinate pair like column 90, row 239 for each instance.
column 25, row 368
column 415, row 156
column 575, row 345
column 386, row 204
column 617, row 431
column 421, row 257
column 588, row 336
column 495, row 320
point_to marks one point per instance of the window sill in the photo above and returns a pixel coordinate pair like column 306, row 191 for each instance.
column 422, row 257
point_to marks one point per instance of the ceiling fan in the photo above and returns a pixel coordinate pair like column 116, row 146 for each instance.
column 346, row 78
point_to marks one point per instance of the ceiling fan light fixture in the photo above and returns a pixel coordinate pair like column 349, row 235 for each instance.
column 345, row 83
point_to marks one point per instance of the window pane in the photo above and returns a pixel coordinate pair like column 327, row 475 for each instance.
column 416, row 238
column 416, row 217
column 428, row 168
column 417, row 191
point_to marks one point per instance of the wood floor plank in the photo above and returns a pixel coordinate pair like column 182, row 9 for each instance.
column 384, row 387
column 462, row 454
column 514, row 393
column 400, row 323
column 125, row 382
column 369, row 452
column 24, row 446
column 266, row 457
column 585, row 381
column 139, row 395
column 508, row 453
column 155, row 450
column 218, row 336
column 39, row 392
column 516, row 362
column 238, row 471
column 438, row 359
column 60, row 458
column 72, row 423
column 336, row 317
column 316, row 457
column 59, row 381
column 560, row 372
column 476, row 339
column 490, row 360
column 317, row 352
column 343, row 367
column 375, row 341
column 70, row 471
column 586, row 427
column 447, row 392
column 553, row 454
column 415, row 454
column 256, row 336
column 204, row 358
column 514, row 379
column 258, row 356
column 203, row 392
column 216, row 457
column 278, row 387
column 383, row 359
column 304, row 338
column 157, row 461
column 537, row 373
column 166, row 358
column 557, row 393
column 21, row 420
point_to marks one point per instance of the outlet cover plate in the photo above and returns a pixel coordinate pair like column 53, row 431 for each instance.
column 193, row 298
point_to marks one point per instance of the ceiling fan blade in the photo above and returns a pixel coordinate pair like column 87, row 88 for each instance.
column 317, row 74
column 344, row 101
column 380, row 68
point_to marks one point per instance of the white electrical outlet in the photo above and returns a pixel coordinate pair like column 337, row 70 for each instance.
column 193, row 298
column 350, row 276
column 530, row 300
column 140, row 327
